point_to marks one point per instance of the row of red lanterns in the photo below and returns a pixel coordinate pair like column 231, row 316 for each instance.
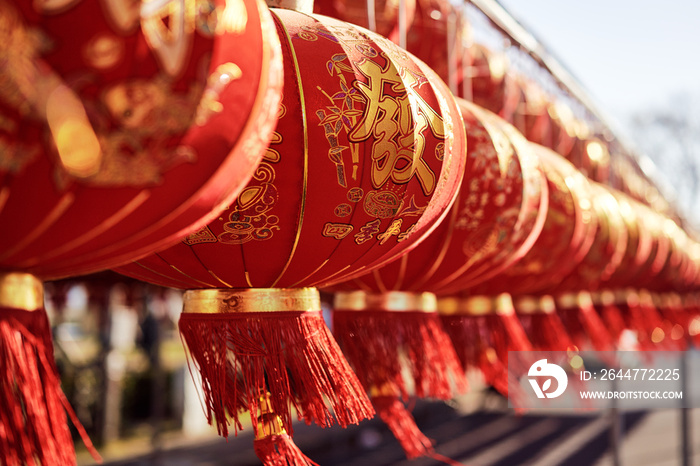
column 161, row 120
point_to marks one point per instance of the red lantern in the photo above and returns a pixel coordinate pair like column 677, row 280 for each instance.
column 112, row 141
column 531, row 116
column 122, row 130
column 566, row 237
column 607, row 252
column 386, row 14
column 491, row 83
column 435, row 36
column 367, row 156
column 564, row 128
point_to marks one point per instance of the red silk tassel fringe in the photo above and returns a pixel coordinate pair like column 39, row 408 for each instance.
column 652, row 333
column 483, row 341
column 584, row 324
column 614, row 321
column 376, row 341
column 280, row 450
column 289, row 356
column 33, row 424
column 401, row 423
column 546, row 331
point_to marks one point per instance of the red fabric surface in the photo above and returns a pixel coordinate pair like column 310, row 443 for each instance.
column 165, row 162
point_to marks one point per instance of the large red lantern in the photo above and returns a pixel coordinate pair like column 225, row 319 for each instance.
column 367, row 156
column 110, row 129
column 122, row 130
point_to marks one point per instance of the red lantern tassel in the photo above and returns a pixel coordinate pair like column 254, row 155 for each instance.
column 256, row 344
column 541, row 323
column 582, row 322
column 382, row 334
column 401, row 423
column 377, row 331
column 483, row 330
column 33, row 424
column 676, row 319
column 607, row 307
column 645, row 320
column 691, row 305
column 273, row 446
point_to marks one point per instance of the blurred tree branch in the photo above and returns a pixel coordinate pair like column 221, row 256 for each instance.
column 670, row 136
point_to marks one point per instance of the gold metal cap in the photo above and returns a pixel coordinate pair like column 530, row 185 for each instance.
column 21, row 291
column 235, row 300
column 396, row 301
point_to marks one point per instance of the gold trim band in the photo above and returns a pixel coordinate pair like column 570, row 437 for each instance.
column 21, row 291
column 534, row 304
column 395, row 301
column 571, row 300
column 238, row 300
column 480, row 305
column 527, row 305
column 603, row 298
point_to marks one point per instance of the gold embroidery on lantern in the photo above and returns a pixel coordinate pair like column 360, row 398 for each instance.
column 355, row 194
column 406, row 234
column 205, row 235
column 168, row 27
column 123, row 15
column 412, row 209
column 367, row 231
column 398, row 129
column 337, row 230
column 382, row 204
column 342, row 116
column 393, row 230
column 251, row 218
column 143, row 110
column 342, row 210
column 103, row 51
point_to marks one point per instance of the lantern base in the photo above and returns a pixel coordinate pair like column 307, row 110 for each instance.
column 269, row 344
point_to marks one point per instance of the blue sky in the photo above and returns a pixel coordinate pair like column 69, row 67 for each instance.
column 629, row 54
